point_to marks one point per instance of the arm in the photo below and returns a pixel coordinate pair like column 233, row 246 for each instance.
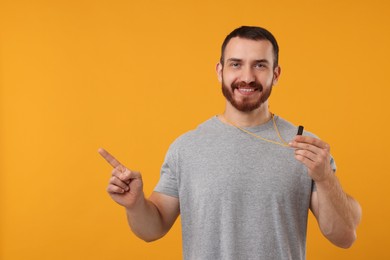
column 152, row 218
column 149, row 219
column 337, row 213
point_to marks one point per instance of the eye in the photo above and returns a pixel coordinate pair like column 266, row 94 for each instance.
column 235, row 65
column 260, row 65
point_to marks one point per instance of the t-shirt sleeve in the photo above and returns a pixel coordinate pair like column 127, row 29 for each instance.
column 168, row 183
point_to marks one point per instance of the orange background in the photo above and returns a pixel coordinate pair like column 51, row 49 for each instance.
column 131, row 76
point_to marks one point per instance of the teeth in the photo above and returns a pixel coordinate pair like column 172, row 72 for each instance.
column 247, row 89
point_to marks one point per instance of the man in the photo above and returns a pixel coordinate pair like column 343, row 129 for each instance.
column 242, row 191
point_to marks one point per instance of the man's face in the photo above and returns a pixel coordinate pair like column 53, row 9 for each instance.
column 247, row 75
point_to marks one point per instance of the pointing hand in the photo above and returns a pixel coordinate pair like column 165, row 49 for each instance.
column 125, row 186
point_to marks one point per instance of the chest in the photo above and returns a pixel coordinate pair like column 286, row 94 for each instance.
column 242, row 170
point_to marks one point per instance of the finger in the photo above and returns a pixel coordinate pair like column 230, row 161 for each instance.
column 130, row 175
column 311, row 140
column 109, row 158
column 306, row 153
column 306, row 161
column 306, row 147
column 117, row 182
column 313, row 161
column 118, row 173
column 113, row 189
column 125, row 175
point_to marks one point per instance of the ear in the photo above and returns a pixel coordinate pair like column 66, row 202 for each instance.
column 218, row 69
column 277, row 72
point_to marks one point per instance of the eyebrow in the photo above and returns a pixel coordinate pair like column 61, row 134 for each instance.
column 240, row 60
column 234, row 59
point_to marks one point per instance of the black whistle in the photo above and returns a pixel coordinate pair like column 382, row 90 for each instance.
column 300, row 130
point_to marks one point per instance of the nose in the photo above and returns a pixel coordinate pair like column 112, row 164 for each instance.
column 247, row 75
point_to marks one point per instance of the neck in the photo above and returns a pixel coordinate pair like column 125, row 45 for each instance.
column 256, row 117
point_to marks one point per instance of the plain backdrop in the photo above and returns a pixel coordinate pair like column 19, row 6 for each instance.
column 131, row 76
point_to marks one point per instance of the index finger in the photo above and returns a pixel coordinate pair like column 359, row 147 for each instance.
column 311, row 140
column 109, row 158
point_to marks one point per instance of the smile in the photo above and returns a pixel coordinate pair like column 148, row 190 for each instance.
column 247, row 89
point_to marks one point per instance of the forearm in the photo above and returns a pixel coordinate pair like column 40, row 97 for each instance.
column 145, row 221
column 338, row 213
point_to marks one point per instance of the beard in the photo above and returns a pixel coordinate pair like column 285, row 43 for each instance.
column 246, row 105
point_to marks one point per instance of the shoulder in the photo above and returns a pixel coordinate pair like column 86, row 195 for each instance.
column 290, row 130
column 203, row 131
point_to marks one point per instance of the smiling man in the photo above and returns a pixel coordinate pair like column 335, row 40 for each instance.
column 243, row 181
column 255, row 83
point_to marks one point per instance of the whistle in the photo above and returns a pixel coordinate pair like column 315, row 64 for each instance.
column 300, row 130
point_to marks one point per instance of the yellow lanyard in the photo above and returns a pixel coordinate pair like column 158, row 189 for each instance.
column 282, row 143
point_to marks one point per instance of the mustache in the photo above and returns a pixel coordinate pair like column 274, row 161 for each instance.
column 241, row 84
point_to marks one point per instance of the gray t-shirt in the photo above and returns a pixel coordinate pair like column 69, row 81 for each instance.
column 240, row 197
